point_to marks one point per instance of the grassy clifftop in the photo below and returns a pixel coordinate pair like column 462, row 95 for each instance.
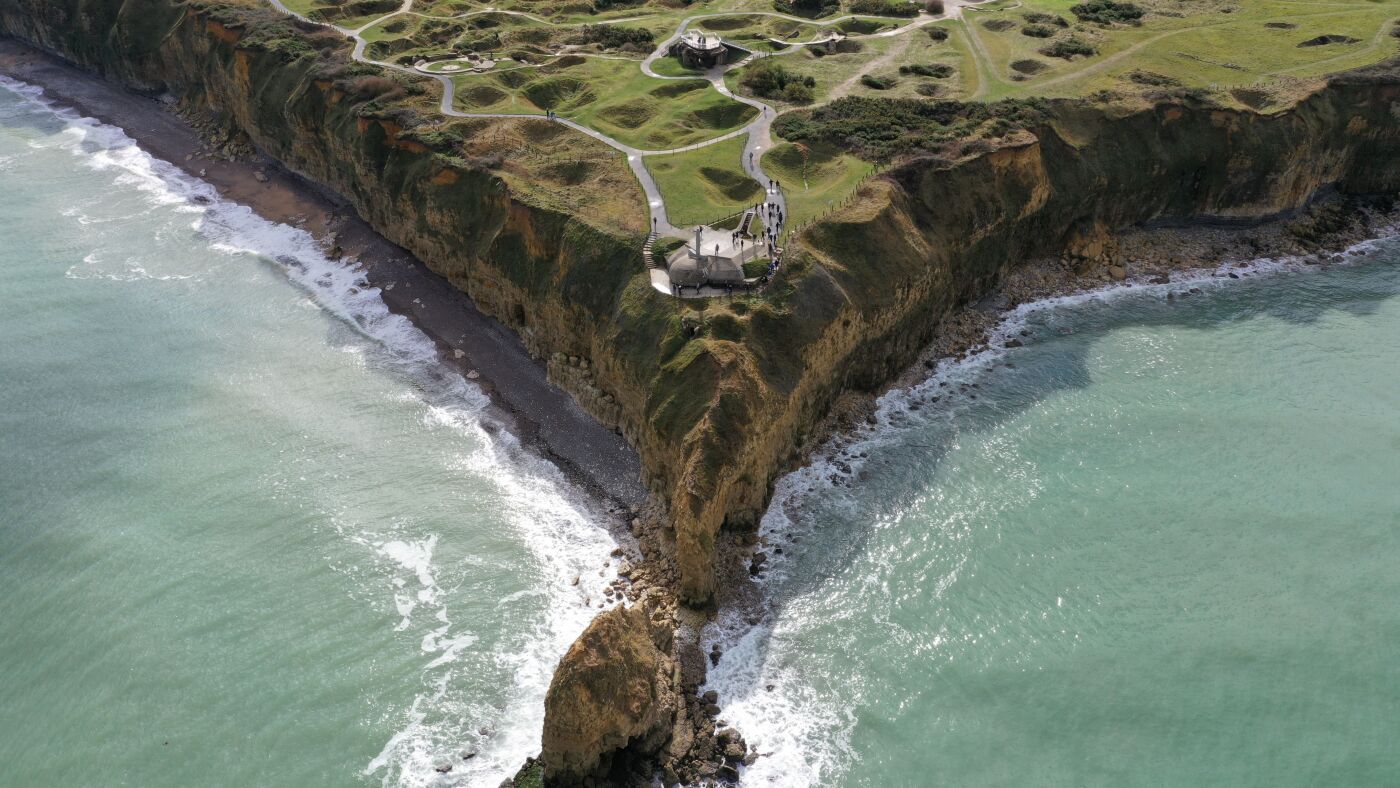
column 543, row 227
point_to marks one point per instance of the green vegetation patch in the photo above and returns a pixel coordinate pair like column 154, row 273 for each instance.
column 878, row 128
column 1107, row 12
column 884, row 8
column 768, row 79
column 815, row 178
column 704, row 185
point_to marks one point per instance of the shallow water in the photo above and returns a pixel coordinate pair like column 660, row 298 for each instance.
column 1158, row 545
column 252, row 532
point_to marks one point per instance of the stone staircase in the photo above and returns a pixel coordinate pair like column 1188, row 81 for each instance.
column 647, row 259
column 746, row 222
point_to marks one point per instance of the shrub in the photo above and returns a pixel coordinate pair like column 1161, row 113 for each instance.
column 935, row 70
column 767, row 78
column 928, row 89
column 1106, row 12
column 938, row 33
column 372, row 87
column 1068, row 49
column 808, row 8
column 1037, row 18
column 1037, row 31
column 934, row 7
column 797, row 92
column 616, row 37
column 884, row 8
column 880, row 128
column 877, row 83
column 1153, row 79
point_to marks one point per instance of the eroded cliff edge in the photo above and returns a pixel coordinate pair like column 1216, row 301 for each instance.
column 718, row 398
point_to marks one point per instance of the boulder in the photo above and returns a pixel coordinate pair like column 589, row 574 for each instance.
column 614, row 698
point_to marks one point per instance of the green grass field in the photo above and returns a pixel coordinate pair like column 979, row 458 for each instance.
column 1255, row 53
column 705, row 184
column 815, row 183
column 611, row 96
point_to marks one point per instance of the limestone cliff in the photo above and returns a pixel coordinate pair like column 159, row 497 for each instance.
column 718, row 398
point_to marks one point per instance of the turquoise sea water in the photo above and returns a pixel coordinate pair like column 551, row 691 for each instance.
column 250, row 532
column 1158, row 545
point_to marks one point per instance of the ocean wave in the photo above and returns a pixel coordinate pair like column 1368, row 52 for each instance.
column 802, row 739
column 551, row 518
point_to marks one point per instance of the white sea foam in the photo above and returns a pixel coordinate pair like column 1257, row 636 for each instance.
column 804, row 741
column 549, row 516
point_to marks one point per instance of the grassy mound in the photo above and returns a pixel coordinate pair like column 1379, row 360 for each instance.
column 733, row 185
column 629, row 115
column 673, row 89
column 721, row 116
column 513, row 79
column 481, row 95
column 559, row 92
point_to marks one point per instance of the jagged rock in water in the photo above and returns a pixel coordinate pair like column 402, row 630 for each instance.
column 614, row 697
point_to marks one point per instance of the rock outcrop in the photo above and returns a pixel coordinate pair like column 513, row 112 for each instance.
column 614, row 699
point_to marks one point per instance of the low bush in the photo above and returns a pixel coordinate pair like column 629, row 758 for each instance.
column 1037, row 18
column 1037, row 31
column 934, row 7
column 807, row 8
column 617, row 37
column 1069, row 49
column 935, row 70
column 884, row 7
column 938, row 33
column 1107, row 12
column 880, row 128
column 767, row 78
column 877, row 83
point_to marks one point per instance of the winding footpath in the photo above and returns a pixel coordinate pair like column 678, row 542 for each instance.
column 758, row 131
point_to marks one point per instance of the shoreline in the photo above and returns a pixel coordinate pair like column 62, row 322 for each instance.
column 545, row 418
column 952, row 368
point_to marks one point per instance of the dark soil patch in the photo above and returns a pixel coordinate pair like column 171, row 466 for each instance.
column 1252, row 97
column 1030, row 66
column 1330, row 38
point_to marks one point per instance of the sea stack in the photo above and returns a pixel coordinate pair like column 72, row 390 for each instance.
column 614, row 698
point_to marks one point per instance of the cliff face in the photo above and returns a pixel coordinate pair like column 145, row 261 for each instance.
column 720, row 398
